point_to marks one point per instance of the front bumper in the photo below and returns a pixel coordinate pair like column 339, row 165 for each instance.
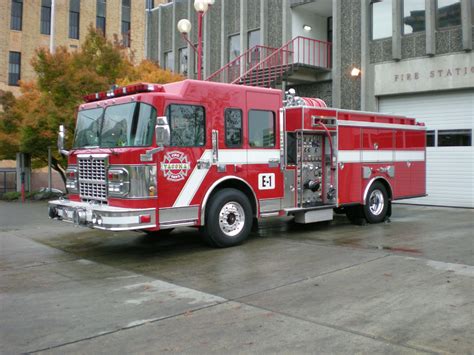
column 102, row 216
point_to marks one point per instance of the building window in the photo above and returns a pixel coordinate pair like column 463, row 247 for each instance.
column 45, row 26
column 126, row 28
column 455, row 138
column 254, row 40
column 381, row 18
column 261, row 129
column 183, row 60
column 150, row 4
column 233, row 127
column 16, row 15
column 14, row 68
column 413, row 16
column 74, row 10
column 187, row 125
column 101, row 9
column 234, row 47
column 448, row 13
column 430, row 138
column 169, row 61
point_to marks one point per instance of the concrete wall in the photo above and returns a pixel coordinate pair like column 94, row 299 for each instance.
column 301, row 17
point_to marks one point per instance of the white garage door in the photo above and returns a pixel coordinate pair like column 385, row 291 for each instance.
column 449, row 118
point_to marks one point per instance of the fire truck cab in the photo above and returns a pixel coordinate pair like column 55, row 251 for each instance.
column 218, row 156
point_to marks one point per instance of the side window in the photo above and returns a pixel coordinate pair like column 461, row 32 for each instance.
column 233, row 127
column 261, row 129
column 187, row 125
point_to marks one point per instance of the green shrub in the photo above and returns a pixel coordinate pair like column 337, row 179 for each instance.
column 11, row 196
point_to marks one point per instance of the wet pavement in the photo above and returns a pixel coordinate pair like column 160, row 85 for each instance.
column 401, row 287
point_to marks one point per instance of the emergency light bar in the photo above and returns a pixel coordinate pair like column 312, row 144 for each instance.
column 123, row 91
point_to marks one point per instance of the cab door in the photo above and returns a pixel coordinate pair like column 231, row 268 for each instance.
column 263, row 150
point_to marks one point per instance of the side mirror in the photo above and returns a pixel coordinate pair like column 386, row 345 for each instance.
column 61, row 138
column 162, row 131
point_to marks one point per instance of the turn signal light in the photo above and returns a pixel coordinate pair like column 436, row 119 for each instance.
column 145, row 218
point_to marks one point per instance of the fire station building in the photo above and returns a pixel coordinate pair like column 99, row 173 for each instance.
column 409, row 57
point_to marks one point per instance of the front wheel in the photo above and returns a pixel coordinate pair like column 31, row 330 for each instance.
column 228, row 218
column 376, row 203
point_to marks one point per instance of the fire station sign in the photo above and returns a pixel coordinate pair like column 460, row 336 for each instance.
column 442, row 72
column 175, row 166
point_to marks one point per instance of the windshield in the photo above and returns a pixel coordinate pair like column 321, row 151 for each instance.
column 126, row 125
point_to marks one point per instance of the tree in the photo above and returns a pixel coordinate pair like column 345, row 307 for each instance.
column 30, row 122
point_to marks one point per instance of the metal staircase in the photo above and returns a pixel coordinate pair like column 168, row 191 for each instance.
column 268, row 67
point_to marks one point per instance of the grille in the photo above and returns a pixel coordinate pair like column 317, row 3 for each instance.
column 92, row 182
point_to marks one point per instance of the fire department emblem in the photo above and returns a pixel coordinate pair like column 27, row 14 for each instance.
column 175, row 166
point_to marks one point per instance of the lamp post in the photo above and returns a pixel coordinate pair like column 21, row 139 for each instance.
column 184, row 27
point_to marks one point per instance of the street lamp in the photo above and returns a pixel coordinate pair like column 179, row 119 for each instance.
column 184, row 26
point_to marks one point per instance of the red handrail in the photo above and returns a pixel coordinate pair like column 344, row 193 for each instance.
column 236, row 67
column 300, row 50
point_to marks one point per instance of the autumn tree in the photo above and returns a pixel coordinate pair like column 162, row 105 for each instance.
column 30, row 122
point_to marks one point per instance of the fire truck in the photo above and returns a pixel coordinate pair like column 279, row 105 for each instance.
column 219, row 157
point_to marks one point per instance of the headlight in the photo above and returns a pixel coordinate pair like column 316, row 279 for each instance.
column 71, row 179
column 118, row 182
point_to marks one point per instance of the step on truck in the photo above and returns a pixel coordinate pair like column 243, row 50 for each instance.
column 151, row 158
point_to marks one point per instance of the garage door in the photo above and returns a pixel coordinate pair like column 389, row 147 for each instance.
column 449, row 118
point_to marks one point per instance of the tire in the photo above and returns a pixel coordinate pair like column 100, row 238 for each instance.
column 228, row 218
column 376, row 203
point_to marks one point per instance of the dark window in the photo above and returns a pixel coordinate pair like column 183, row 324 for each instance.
column 126, row 28
column 14, row 68
column 233, row 127
column 261, row 129
column 183, row 60
column 150, row 4
column 101, row 7
column 16, row 15
column 455, row 137
column 329, row 29
column 45, row 26
column 169, row 61
column 448, row 13
column 291, row 148
column 381, row 18
column 254, row 40
column 234, row 47
column 187, row 125
column 74, row 10
column 430, row 138
column 413, row 16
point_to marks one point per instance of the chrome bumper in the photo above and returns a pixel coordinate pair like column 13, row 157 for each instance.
column 102, row 216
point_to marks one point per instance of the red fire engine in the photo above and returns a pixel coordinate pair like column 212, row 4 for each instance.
column 218, row 156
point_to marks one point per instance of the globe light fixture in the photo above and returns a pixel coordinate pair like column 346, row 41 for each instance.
column 184, row 27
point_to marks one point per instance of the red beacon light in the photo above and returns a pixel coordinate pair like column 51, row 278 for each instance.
column 124, row 91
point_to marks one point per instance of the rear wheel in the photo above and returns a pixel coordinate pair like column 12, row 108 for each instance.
column 376, row 203
column 228, row 218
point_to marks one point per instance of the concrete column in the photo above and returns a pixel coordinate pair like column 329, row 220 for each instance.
column 396, row 30
column 174, row 36
column 336, row 53
column 466, row 18
column 160, row 56
column 364, row 53
column 263, row 22
column 223, row 34
column 286, row 22
column 244, row 41
column 430, row 27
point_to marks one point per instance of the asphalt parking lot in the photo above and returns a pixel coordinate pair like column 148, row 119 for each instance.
column 400, row 287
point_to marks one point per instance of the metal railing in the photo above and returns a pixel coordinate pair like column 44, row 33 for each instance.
column 299, row 51
column 234, row 69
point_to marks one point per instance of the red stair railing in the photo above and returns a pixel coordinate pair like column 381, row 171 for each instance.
column 233, row 70
column 298, row 51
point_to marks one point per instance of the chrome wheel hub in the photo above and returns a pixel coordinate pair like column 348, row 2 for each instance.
column 231, row 219
column 376, row 202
